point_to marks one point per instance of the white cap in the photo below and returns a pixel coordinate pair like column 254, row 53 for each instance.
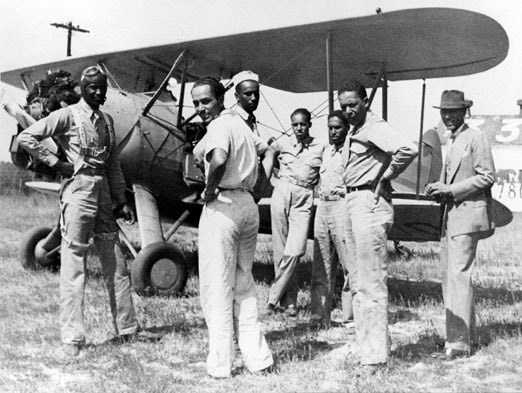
column 244, row 76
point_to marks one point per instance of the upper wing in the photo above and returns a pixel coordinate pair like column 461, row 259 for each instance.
column 412, row 44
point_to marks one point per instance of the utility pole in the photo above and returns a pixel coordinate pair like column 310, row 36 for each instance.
column 69, row 26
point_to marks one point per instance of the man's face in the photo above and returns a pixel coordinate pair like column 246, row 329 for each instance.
column 247, row 96
column 207, row 106
column 337, row 131
column 301, row 126
column 453, row 118
column 354, row 107
column 94, row 93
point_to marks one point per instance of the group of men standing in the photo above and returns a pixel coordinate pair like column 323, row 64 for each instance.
column 353, row 216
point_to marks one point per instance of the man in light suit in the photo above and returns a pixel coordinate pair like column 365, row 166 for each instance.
column 464, row 191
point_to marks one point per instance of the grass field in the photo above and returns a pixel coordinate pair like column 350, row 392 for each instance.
column 31, row 360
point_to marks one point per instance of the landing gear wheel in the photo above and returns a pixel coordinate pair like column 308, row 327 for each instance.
column 159, row 269
column 32, row 255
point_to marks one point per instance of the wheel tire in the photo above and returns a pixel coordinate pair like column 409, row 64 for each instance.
column 159, row 269
column 27, row 248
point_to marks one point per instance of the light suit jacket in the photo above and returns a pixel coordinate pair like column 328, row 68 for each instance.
column 470, row 176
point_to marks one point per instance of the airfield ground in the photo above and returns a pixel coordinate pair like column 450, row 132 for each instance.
column 31, row 361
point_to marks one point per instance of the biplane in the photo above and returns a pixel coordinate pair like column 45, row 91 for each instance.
column 155, row 134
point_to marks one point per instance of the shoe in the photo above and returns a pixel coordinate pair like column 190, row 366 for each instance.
column 267, row 311
column 367, row 370
column 265, row 371
column 71, row 350
column 141, row 335
column 291, row 311
column 452, row 354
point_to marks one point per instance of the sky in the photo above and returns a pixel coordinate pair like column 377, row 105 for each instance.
column 26, row 38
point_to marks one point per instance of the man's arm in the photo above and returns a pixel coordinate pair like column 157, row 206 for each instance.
column 31, row 138
column 484, row 174
column 402, row 152
column 217, row 166
column 267, row 160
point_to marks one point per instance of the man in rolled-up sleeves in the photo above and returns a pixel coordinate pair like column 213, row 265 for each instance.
column 291, row 208
column 373, row 155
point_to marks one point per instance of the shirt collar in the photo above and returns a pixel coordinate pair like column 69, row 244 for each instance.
column 454, row 135
column 241, row 112
column 304, row 145
column 87, row 108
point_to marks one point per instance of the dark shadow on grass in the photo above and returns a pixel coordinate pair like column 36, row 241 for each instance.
column 298, row 342
column 415, row 292
column 429, row 345
column 424, row 348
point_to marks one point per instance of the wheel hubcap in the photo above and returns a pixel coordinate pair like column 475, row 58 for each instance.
column 164, row 274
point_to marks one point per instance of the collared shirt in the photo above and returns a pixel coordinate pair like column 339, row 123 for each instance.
column 373, row 151
column 249, row 119
column 331, row 173
column 449, row 144
column 230, row 133
column 94, row 142
column 298, row 161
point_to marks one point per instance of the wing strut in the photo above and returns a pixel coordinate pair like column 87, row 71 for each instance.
column 182, row 93
column 419, row 162
column 376, row 85
column 163, row 84
column 329, row 72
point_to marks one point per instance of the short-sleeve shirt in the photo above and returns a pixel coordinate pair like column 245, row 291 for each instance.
column 230, row 133
column 373, row 151
column 297, row 161
column 331, row 172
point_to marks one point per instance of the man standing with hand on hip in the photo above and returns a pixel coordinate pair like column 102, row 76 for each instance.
column 464, row 191
column 228, row 229
column 373, row 155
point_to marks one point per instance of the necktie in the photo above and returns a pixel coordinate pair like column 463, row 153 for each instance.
column 252, row 123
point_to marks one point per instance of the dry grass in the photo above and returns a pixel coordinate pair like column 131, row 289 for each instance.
column 30, row 359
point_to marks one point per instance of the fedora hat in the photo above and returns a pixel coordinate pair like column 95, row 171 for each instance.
column 453, row 99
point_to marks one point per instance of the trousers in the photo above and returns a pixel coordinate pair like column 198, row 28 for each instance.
column 86, row 210
column 290, row 210
column 228, row 229
column 366, row 227
column 329, row 250
column 457, row 258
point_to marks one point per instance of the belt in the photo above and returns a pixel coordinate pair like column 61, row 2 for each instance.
column 360, row 188
column 299, row 183
column 331, row 197
column 92, row 172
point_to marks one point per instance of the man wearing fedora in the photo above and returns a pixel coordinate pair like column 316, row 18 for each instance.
column 464, row 191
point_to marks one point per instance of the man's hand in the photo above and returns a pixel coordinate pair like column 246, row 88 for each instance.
column 438, row 191
column 383, row 189
column 125, row 211
column 209, row 196
column 66, row 169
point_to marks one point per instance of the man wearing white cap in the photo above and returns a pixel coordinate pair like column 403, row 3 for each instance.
column 464, row 190
column 247, row 95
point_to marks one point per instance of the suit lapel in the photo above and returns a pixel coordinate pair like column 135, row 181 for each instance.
column 456, row 153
